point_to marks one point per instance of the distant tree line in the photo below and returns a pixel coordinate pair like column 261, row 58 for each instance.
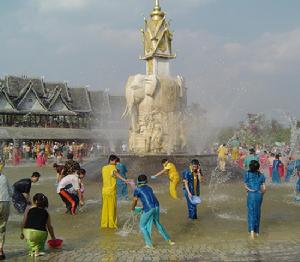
column 256, row 129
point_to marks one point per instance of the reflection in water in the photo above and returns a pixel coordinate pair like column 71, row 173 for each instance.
column 231, row 217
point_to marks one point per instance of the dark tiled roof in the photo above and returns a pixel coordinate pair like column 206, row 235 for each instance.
column 2, row 83
column 15, row 85
column 3, row 92
column 25, row 91
column 56, row 96
column 80, row 99
column 50, row 87
column 76, row 99
column 99, row 102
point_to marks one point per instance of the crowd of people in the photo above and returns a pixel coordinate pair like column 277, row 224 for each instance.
column 274, row 161
column 277, row 163
column 42, row 151
column 37, row 222
column 70, row 188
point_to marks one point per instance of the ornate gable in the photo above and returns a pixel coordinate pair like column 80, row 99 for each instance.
column 5, row 103
column 58, row 103
column 30, row 101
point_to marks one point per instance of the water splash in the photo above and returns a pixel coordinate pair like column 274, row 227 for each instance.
column 217, row 178
column 92, row 201
column 163, row 210
column 129, row 225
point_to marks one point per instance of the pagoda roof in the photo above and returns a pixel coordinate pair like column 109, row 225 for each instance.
column 29, row 88
column 15, row 84
column 50, row 97
column 80, row 99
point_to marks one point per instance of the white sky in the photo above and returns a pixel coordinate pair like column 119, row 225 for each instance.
column 237, row 56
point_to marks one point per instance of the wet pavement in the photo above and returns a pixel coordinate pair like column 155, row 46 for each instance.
column 220, row 233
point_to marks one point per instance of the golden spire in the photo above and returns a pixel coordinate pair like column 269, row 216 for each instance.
column 157, row 14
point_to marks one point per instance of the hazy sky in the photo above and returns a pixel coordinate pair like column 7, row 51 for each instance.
column 237, row 56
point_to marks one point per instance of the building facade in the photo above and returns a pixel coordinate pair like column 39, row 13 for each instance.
column 32, row 102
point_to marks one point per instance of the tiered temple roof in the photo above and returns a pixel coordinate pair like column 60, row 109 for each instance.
column 19, row 95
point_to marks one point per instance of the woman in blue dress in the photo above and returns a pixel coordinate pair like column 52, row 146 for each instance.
column 275, row 171
column 256, row 187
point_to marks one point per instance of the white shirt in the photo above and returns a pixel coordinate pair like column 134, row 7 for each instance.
column 5, row 189
column 69, row 180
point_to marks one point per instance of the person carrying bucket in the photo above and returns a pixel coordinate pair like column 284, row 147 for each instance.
column 171, row 171
column 150, row 213
column 192, row 177
column 36, row 225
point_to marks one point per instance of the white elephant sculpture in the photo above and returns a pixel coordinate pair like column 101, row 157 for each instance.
column 155, row 105
column 152, row 93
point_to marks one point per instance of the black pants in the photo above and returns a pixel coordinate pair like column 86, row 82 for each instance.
column 19, row 201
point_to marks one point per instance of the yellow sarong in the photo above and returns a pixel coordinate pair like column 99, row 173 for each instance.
column 174, row 179
column 109, row 197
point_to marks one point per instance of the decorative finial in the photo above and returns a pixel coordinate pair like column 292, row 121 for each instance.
column 157, row 14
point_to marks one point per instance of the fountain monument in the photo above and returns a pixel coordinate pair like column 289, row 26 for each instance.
column 156, row 101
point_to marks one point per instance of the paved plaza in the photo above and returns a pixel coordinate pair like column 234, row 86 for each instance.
column 220, row 233
column 239, row 251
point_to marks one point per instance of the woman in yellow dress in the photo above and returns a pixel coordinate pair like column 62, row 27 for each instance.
column 109, row 193
column 171, row 171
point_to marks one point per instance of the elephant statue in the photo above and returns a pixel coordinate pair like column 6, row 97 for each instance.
column 150, row 92
column 137, row 88
column 153, row 104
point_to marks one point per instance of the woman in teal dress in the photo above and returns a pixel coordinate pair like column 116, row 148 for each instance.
column 256, row 187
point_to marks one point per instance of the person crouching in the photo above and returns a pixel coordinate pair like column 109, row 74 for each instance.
column 150, row 214
column 36, row 225
column 69, row 190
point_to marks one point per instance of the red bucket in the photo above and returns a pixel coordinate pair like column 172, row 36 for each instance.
column 55, row 243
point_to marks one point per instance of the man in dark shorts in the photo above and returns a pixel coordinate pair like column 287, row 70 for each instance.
column 21, row 192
